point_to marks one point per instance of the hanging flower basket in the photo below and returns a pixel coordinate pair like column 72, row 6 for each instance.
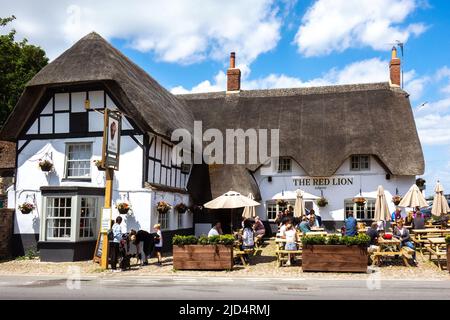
column 282, row 203
column 163, row 207
column 26, row 207
column 322, row 202
column 360, row 201
column 98, row 164
column 420, row 182
column 396, row 199
column 181, row 207
column 123, row 207
column 45, row 165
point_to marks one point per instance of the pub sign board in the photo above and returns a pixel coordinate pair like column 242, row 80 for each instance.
column 111, row 139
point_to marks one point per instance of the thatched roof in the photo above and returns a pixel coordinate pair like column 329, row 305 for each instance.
column 7, row 155
column 93, row 59
column 319, row 127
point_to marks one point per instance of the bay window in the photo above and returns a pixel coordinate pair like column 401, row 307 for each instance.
column 365, row 212
column 70, row 218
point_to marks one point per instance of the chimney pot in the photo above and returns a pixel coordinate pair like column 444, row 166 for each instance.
column 233, row 75
column 232, row 60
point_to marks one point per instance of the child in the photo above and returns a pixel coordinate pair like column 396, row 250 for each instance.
column 158, row 243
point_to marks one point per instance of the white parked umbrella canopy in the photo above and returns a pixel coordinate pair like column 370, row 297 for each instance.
column 231, row 200
column 381, row 206
column 299, row 207
column 249, row 211
column 413, row 198
column 440, row 204
column 291, row 195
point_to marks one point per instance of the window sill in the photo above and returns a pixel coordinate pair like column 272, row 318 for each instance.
column 76, row 179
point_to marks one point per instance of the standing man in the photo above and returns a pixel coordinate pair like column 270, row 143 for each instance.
column 116, row 232
column 351, row 225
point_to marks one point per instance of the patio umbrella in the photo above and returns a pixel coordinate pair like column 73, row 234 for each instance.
column 299, row 207
column 381, row 206
column 249, row 211
column 440, row 205
column 413, row 198
column 231, row 200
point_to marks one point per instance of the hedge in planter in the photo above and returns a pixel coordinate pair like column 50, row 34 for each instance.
column 213, row 253
column 335, row 254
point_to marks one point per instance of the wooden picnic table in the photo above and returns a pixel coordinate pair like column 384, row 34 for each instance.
column 437, row 247
column 315, row 233
column 314, row 229
column 389, row 248
column 421, row 236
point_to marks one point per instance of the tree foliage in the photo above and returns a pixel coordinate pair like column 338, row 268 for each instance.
column 19, row 62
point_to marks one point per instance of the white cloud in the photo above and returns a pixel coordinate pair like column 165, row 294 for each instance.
column 336, row 25
column 175, row 30
column 434, row 129
column 365, row 71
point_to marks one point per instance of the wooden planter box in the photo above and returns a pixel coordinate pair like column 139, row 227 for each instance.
column 203, row 257
column 334, row 258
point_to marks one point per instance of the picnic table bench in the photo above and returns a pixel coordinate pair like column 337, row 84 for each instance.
column 391, row 248
column 437, row 247
column 282, row 254
column 421, row 236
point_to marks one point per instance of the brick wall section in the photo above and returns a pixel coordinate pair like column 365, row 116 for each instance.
column 395, row 71
column 233, row 80
column 6, row 230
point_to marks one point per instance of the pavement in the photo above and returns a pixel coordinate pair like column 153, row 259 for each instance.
column 119, row 286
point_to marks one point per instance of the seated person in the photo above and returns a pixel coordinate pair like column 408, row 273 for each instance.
column 313, row 221
column 400, row 232
column 351, row 225
column 248, row 241
column 409, row 219
column 397, row 214
column 304, row 225
column 418, row 221
column 291, row 241
column 373, row 233
column 316, row 215
column 283, row 226
column 259, row 228
column 216, row 230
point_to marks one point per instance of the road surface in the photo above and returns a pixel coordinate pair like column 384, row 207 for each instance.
column 117, row 286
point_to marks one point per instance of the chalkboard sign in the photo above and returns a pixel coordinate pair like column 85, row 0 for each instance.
column 98, row 248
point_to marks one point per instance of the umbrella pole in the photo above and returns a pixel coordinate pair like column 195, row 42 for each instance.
column 231, row 221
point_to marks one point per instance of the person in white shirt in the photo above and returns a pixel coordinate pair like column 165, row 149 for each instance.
column 248, row 236
column 158, row 243
column 216, row 230
column 291, row 241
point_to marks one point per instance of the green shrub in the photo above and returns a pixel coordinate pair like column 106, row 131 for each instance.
column 226, row 239
column 333, row 239
column 447, row 239
column 184, row 240
column 203, row 240
column 359, row 240
column 314, row 240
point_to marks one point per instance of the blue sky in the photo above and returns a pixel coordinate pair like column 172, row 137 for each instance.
column 287, row 43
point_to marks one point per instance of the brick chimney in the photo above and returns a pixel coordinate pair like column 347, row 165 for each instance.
column 395, row 69
column 233, row 75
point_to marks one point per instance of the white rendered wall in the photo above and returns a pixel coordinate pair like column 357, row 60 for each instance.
column 367, row 181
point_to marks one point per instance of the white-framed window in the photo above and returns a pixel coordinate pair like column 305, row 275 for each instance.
column 284, row 164
column 272, row 209
column 59, row 218
column 78, row 160
column 70, row 218
column 88, row 217
column 180, row 220
column 360, row 163
column 366, row 212
column 163, row 220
